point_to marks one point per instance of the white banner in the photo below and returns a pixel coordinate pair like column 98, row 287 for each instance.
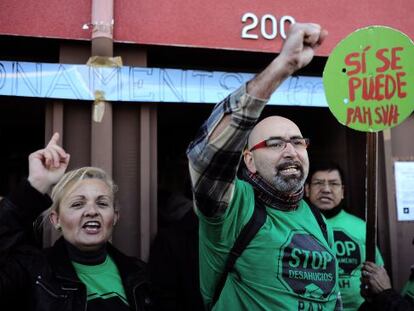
column 404, row 185
column 142, row 84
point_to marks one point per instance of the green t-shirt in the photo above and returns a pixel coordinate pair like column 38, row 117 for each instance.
column 287, row 266
column 103, row 285
column 349, row 235
column 408, row 289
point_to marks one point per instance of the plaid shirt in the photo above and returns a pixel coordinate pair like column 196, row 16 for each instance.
column 213, row 164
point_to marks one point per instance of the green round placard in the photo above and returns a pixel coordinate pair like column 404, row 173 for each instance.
column 369, row 79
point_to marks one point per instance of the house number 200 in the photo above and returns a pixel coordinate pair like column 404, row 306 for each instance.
column 268, row 26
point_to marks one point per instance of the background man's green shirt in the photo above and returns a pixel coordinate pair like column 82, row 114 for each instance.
column 349, row 235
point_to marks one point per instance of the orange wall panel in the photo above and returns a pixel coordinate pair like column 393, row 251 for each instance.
column 199, row 23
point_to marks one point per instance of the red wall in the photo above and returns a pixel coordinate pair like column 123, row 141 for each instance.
column 200, row 23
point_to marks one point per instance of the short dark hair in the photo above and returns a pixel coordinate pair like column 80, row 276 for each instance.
column 325, row 166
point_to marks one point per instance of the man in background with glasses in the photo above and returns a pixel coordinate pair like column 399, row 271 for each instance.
column 290, row 263
column 325, row 190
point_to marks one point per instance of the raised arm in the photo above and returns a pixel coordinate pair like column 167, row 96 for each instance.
column 215, row 154
column 298, row 50
column 20, row 209
column 17, row 213
column 47, row 166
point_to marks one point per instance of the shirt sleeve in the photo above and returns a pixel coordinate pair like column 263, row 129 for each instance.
column 18, row 211
column 213, row 163
column 390, row 300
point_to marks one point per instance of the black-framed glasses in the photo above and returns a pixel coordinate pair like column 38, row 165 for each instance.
column 279, row 144
column 322, row 183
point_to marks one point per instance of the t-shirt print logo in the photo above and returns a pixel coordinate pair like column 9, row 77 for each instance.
column 308, row 268
column 348, row 252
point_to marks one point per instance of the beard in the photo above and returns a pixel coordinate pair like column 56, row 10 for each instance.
column 289, row 183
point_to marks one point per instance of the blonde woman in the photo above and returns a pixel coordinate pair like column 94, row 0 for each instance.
column 82, row 270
